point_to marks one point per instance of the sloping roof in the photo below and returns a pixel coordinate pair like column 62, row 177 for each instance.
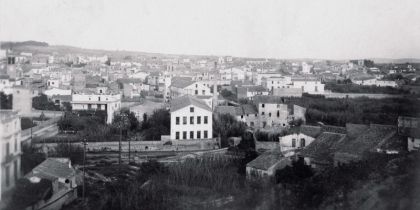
column 353, row 130
column 266, row 160
column 396, row 142
column 181, row 82
column 409, row 126
column 367, row 140
column 226, row 110
column 249, row 109
column 323, row 147
column 53, row 168
column 187, row 100
column 334, row 129
column 312, row 131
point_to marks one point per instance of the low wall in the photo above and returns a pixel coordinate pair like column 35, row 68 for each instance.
column 47, row 113
column 173, row 145
column 39, row 127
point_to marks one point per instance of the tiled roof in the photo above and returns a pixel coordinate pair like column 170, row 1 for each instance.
column 181, row 82
column 187, row 100
column 323, row 147
column 312, row 131
column 367, row 140
column 53, row 168
column 353, row 130
column 226, row 110
column 266, row 160
column 396, row 142
column 334, row 129
column 249, row 109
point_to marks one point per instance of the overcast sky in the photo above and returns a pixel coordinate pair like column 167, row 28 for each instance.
column 331, row 29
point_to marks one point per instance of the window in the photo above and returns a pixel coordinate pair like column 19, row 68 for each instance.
column 177, row 135
column 252, row 123
column 205, row 134
column 255, row 115
column 191, row 109
column 196, row 85
column 177, row 120
column 99, row 98
column 196, row 92
column 16, row 169
column 302, row 142
column 192, row 120
column 262, row 105
column 242, row 117
column 184, row 120
column 293, row 142
column 184, row 135
column 198, row 134
column 7, row 176
column 262, row 113
column 191, row 134
column 16, row 144
column 269, row 114
column 204, row 92
column 278, row 113
column 7, row 149
column 206, row 120
column 199, row 120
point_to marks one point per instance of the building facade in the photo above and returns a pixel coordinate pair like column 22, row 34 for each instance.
column 10, row 151
column 191, row 118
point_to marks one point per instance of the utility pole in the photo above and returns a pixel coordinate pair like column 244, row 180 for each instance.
column 129, row 150
column 84, row 166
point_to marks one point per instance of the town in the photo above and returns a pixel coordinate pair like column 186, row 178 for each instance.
column 84, row 128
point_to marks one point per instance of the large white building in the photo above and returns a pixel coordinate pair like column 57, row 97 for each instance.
column 308, row 85
column 191, row 118
column 101, row 99
column 10, row 150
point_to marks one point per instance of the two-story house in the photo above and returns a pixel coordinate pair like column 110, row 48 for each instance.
column 191, row 118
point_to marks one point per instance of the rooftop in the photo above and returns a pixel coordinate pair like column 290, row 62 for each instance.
column 181, row 82
column 187, row 100
column 266, row 160
column 322, row 148
column 53, row 168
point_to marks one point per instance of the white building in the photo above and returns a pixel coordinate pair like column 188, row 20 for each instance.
column 10, row 150
column 300, row 138
column 101, row 99
column 191, row 118
column 57, row 91
column 308, row 85
column 186, row 86
column 272, row 83
column 53, row 83
column 306, row 68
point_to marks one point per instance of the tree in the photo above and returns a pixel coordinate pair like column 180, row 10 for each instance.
column 156, row 125
column 42, row 102
column 6, row 101
column 228, row 95
column 225, row 126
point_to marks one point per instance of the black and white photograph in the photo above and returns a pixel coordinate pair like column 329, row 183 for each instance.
column 209, row 104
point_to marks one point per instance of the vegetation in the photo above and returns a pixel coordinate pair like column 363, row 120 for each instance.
column 6, row 101
column 158, row 124
column 42, row 102
column 388, row 179
column 228, row 95
column 225, row 126
column 26, row 123
column 336, row 111
column 343, row 87
column 31, row 157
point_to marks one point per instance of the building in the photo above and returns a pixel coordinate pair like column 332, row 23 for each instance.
column 99, row 99
column 299, row 137
column 306, row 68
column 310, row 85
column 186, row 86
column 22, row 100
column 272, row 83
column 409, row 128
column 191, row 118
column 250, row 92
column 279, row 114
column 266, row 165
column 55, row 180
column 10, row 150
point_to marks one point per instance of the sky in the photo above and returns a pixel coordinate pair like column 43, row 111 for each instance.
column 328, row 29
